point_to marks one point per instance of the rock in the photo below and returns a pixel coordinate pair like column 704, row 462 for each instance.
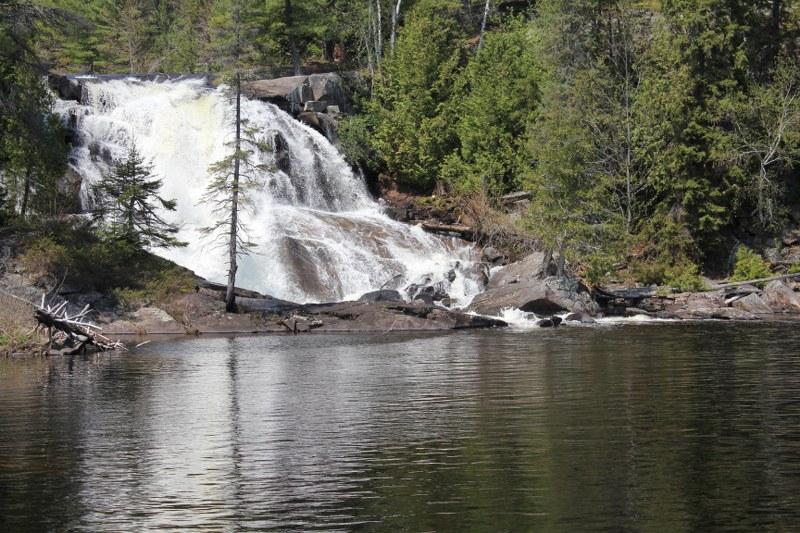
column 635, row 311
column 428, row 293
column 291, row 93
column 315, row 106
column 533, row 295
column 556, row 320
column 265, row 304
column 791, row 255
column 301, row 324
column 533, row 267
column 754, row 304
column 579, row 317
column 333, row 110
column 381, row 296
column 478, row 272
column 704, row 305
column 741, row 290
column 394, row 316
column 152, row 320
column 283, row 158
column 400, row 214
column 545, row 323
column 492, row 255
column 329, row 88
column 324, row 124
column 780, row 297
column 65, row 87
column 791, row 238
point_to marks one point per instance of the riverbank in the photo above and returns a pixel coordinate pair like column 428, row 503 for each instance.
column 529, row 285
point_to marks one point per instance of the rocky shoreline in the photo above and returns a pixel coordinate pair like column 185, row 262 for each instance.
column 526, row 285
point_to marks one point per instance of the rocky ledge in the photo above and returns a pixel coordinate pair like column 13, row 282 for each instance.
column 778, row 298
column 204, row 312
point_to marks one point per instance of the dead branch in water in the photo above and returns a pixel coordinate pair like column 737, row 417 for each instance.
column 73, row 332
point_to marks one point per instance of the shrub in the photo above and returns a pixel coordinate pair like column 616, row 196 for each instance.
column 794, row 269
column 45, row 261
column 156, row 287
column 685, row 278
column 749, row 265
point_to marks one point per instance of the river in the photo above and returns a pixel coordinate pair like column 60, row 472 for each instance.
column 667, row 427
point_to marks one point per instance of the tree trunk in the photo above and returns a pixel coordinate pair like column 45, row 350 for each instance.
column 26, row 191
column 288, row 15
column 230, row 296
column 378, row 35
column 395, row 18
column 486, row 10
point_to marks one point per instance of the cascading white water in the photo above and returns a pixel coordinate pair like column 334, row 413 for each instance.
column 319, row 235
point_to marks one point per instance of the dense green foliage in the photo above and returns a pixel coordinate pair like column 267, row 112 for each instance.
column 655, row 136
column 32, row 149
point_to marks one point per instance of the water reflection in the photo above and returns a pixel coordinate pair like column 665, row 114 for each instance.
column 629, row 428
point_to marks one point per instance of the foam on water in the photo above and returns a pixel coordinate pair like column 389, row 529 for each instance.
column 319, row 234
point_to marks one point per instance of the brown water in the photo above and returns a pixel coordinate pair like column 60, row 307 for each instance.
column 628, row 428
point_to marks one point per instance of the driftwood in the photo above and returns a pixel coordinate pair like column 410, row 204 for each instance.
column 73, row 332
column 465, row 232
column 755, row 281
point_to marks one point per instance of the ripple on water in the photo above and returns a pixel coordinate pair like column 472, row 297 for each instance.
column 669, row 427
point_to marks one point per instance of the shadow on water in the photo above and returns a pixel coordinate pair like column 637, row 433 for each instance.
column 626, row 428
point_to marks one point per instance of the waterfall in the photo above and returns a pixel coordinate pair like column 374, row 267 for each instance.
column 319, row 234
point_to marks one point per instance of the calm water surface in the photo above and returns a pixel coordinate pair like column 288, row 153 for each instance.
column 628, row 428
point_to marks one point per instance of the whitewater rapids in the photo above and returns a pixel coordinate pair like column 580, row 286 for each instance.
column 319, row 235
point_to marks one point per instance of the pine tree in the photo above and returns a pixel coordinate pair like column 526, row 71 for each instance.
column 236, row 174
column 127, row 199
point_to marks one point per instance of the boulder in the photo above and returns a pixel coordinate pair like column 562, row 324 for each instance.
column 492, row 255
column 301, row 324
column 529, row 285
column 381, row 296
column 283, row 158
column 65, row 87
column 324, row 124
column 704, row 305
column 752, row 303
column 541, row 296
column 780, row 297
column 533, row 267
column 315, row 106
column 579, row 317
column 428, row 293
column 291, row 93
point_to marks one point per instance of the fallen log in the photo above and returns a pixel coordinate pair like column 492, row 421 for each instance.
column 465, row 232
column 755, row 281
column 73, row 332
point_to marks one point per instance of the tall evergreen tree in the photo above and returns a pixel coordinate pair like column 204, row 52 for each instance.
column 234, row 175
column 127, row 199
